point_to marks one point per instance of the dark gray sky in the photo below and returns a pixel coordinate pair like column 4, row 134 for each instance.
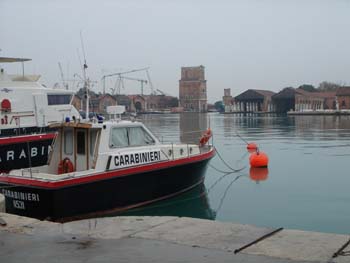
column 261, row 44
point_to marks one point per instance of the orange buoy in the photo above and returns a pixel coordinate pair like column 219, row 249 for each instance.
column 251, row 147
column 258, row 159
column 258, row 174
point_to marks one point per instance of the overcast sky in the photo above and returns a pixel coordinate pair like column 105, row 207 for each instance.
column 243, row 44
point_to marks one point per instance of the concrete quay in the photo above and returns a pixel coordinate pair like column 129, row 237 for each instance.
column 159, row 239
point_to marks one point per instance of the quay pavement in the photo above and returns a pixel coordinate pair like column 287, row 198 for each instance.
column 2, row 203
column 159, row 239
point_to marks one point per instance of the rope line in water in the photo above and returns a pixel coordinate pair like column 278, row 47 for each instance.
column 217, row 181
column 220, row 171
column 226, row 164
column 239, row 136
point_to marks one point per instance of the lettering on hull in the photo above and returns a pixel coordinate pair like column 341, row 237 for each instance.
column 21, row 195
column 135, row 158
column 20, row 199
column 16, row 156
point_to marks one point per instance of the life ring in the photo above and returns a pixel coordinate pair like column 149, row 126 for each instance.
column 205, row 137
column 65, row 166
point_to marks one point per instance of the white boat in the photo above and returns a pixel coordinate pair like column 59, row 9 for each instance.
column 27, row 110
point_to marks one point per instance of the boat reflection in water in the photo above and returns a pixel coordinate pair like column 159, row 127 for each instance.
column 193, row 203
column 192, row 125
column 258, row 174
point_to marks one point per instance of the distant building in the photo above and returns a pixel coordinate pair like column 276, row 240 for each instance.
column 193, row 89
column 152, row 103
column 343, row 97
column 137, row 103
column 123, row 100
column 227, row 99
column 76, row 102
column 105, row 101
column 290, row 99
column 98, row 103
column 254, row 100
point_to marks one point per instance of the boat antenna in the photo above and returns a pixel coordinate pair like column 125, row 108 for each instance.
column 86, row 80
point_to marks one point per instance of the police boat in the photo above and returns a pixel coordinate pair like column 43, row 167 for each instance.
column 103, row 167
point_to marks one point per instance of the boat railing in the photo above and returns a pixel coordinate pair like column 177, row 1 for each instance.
column 43, row 176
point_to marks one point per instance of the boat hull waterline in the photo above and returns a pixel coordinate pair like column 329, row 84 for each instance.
column 77, row 198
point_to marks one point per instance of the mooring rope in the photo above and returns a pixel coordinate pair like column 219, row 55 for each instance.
column 226, row 164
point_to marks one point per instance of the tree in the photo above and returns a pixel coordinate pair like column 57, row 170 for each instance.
column 219, row 106
column 174, row 102
column 328, row 86
column 307, row 87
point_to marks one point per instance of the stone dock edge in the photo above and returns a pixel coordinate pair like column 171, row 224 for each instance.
column 159, row 239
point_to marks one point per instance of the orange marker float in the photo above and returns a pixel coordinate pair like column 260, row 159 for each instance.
column 251, row 147
column 258, row 159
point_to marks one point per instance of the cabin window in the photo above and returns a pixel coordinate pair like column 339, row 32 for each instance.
column 119, row 137
column 93, row 135
column 68, row 142
column 132, row 136
column 55, row 99
column 81, row 142
column 138, row 137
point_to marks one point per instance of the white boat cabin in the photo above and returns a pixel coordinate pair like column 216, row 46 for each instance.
column 99, row 147
column 27, row 103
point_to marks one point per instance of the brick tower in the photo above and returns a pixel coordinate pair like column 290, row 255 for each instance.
column 193, row 89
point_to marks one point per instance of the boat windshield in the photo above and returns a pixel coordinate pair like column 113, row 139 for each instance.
column 129, row 136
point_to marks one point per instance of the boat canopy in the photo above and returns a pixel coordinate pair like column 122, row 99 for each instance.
column 10, row 60
column 30, row 78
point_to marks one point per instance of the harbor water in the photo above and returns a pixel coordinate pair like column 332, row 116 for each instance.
column 306, row 185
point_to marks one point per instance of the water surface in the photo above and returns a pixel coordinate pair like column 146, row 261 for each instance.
column 307, row 183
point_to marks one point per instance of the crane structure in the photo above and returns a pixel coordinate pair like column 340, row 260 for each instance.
column 121, row 82
column 121, row 76
column 142, row 81
column 162, row 93
column 64, row 83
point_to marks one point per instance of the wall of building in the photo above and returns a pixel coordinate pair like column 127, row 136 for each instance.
column 104, row 102
column 147, row 103
column 193, row 89
column 343, row 102
column 308, row 103
column 330, row 104
column 227, row 100
column 77, row 102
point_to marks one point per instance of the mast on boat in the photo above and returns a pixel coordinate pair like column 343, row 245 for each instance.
column 86, row 80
